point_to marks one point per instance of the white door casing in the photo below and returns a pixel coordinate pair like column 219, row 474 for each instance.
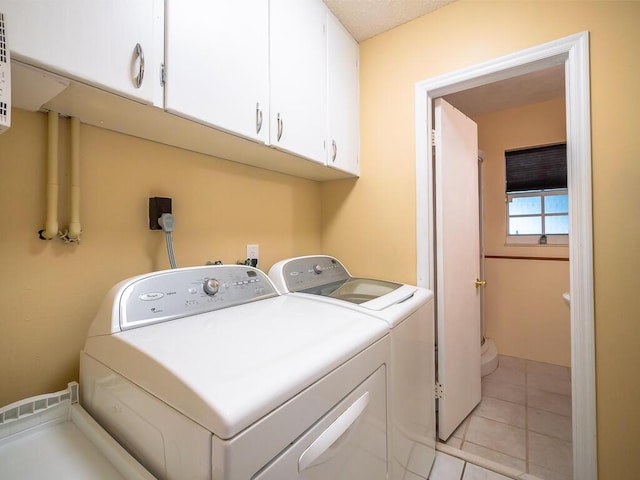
column 458, row 265
column 573, row 52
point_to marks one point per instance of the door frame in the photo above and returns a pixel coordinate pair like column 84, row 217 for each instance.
column 573, row 52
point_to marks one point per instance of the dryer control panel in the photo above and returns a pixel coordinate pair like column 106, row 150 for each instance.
column 171, row 294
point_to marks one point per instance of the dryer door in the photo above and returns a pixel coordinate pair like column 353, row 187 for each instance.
column 349, row 442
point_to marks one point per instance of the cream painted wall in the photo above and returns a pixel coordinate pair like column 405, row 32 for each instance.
column 49, row 291
column 377, row 213
column 524, row 311
column 532, row 125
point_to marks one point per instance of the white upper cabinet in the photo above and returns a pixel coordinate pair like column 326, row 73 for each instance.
column 276, row 79
column 298, row 77
column 217, row 64
column 116, row 45
column 343, row 98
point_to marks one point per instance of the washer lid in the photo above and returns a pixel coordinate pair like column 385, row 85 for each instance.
column 325, row 276
column 367, row 292
column 226, row 369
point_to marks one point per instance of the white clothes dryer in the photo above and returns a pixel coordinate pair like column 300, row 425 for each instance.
column 409, row 313
column 208, row 373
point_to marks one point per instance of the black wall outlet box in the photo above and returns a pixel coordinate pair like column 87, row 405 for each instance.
column 158, row 206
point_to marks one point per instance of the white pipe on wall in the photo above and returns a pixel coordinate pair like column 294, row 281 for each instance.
column 74, row 226
column 51, row 225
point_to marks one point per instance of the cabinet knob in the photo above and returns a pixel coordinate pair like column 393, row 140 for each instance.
column 140, row 55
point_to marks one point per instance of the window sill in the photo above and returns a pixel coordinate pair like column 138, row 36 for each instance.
column 534, row 240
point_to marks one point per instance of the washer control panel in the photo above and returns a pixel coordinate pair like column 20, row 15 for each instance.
column 163, row 296
column 303, row 273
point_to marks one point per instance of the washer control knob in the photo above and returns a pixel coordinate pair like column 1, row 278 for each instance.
column 317, row 269
column 211, row 286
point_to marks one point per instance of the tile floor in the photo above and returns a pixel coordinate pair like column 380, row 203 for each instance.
column 523, row 420
column 447, row 467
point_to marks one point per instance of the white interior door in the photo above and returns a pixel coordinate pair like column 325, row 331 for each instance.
column 457, row 265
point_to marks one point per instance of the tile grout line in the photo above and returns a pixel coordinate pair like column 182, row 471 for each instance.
column 505, row 422
column 527, row 374
column 543, row 410
column 495, row 451
column 464, row 467
column 467, row 421
column 546, row 392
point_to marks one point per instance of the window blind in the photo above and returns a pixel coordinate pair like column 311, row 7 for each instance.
column 538, row 168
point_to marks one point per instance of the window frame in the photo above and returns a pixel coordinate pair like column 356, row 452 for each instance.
column 536, row 239
column 544, row 190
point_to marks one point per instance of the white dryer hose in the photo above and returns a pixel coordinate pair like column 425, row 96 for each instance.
column 51, row 225
column 74, row 225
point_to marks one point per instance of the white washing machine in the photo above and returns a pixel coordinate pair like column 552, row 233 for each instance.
column 208, row 373
column 409, row 312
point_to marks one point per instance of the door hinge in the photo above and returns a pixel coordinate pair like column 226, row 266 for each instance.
column 163, row 75
column 438, row 391
column 433, row 137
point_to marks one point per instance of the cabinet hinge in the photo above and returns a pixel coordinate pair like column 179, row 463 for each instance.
column 438, row 391
column 163, row 75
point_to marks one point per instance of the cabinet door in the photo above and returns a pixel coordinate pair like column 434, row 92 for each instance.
column 343, row 98
column 100, row 42
column 217, row 64
column 298, row 77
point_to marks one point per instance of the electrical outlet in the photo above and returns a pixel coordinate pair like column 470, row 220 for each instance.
column 252, row 252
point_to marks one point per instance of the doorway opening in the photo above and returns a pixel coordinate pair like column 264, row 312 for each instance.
column 571, row 53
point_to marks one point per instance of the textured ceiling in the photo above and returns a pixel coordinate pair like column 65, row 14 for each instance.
column 534, row 87
column 367, row 18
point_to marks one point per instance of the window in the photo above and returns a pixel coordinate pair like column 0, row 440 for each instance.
column 537, row 195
